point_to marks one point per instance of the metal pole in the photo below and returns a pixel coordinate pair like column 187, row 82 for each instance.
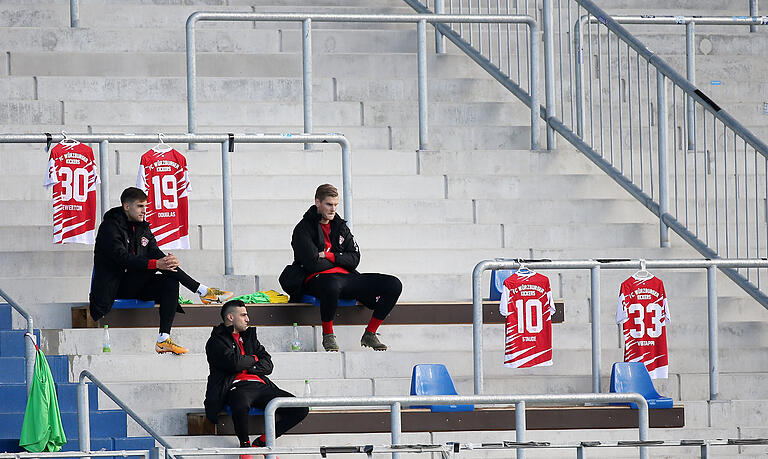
column 269, row 431
column 74, row 13
column 30, row 352
column 594, row 277
column 396, row 426
column 306, row 51
column 690, row 73
column 421, row 32
column 753, row 13
column 661, row 101
column 520, row 427
column 439, row 38
column 104, row 175
column 477, row 327
column 226, row 190
column 714, row 367
column 642, row 425
column 191, row 78
column 579, row 77
column 549, row 65
column 534, row 66
column 83, row 417
column 580, row 454
column 346, row 177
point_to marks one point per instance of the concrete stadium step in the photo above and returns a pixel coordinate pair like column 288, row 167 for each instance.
column 499, row 162
column 575, row 186
column 221, row 39
column 148, row 64
column 347, row 88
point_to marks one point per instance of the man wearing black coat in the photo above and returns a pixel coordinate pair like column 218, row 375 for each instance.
column 239, row 365
column 126, row 262
column 325, row 258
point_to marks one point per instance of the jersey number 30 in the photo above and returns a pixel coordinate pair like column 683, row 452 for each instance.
column 74, row 184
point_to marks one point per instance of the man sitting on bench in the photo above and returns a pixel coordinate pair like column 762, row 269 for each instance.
column 239, row 366
column 325, row 256
column 126, row 261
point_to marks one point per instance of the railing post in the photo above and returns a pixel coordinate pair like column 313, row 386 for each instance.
column 439, row 38
column 396, row 426
column 753, row 13
column 578, row 57
column 520, row 427
column 549, row 65
column 661, row 114
column 226, row 190
column 534, row 65
column 421, row 32
column 477, row 327
column 642, row 425
column 690, row 70
column 83, row 417
column 74, row 13
column 714, row 367
column 346, row 177
column 306, row 51
column 104, row 175
column 191, row 78
column 594, row 278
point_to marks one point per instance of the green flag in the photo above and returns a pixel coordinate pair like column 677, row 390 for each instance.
column 42, row 429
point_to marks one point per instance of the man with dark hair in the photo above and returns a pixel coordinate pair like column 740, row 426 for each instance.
column 325, row 258
column 239, row 366
column 128, row 264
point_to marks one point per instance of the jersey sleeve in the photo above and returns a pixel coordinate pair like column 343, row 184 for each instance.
column 664, row 303
column 141, row 178
column 51, row 177
column 185, row 177
column 504, row 302
column 551, row 302
column 621, row 311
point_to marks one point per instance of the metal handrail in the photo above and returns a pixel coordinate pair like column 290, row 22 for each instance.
column 395, row 403
column 83, row 412
column 594, row 266
column 116, row 453
column 29, row 345
column 421, row 20
column 226, row 169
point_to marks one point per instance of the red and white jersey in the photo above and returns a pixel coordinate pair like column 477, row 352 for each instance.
column 644, row 312
column 73, row 176
column 165, row 178
column 526, row 302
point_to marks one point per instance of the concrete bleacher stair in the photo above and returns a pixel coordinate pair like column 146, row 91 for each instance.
column 426, row 216
column 108, row 427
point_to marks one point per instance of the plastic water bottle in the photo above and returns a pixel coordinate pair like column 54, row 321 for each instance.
column 307, row 390
column 106, row 347
column 295, row 344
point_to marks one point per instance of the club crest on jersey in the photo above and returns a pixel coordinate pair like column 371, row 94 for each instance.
column 341, row 239
column 144, row 241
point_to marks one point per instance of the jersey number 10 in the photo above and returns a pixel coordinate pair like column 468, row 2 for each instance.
column 526, row 314
column 165, row 186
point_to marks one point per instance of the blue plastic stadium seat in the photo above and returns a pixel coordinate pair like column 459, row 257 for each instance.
column 634, row 377
column 312, row 300
column 498, row 276
column 123, row 303
column 434, row 379
column 251, row 412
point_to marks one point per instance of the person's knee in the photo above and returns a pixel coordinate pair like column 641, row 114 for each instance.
column 394, row 286
column 330, row 290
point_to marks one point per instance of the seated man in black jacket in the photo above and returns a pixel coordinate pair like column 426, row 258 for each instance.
column 125, row 262
column 239, row 366
column 327, row 256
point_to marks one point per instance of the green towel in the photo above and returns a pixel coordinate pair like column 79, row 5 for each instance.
column 257, row 297
column 184, row 301
column 42, row 429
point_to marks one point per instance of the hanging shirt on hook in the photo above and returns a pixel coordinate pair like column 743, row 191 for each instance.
column 72, row 175
column 164, row 176
column 526, row 302
column 644, row 313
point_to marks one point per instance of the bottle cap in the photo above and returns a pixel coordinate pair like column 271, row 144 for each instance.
column 294, row 324
column 306, row 381
column 106, row 326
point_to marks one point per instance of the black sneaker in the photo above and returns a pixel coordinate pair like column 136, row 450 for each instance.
column 329, row 343
column 370, row 339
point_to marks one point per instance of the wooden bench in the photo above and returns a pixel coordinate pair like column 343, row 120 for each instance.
column 423, row 420
column 275, row 314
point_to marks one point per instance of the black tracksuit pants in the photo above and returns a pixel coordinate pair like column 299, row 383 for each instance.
column 245, row 395
column 376, row 291
column 163, row 288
